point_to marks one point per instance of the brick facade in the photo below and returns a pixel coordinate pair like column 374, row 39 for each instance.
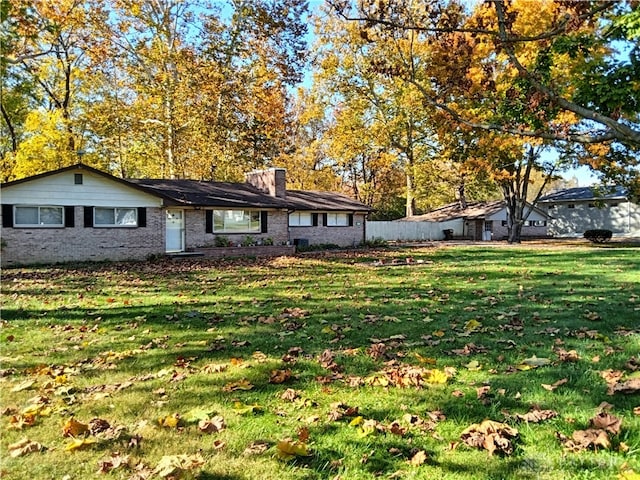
column 272, row 181
column 24, row 246
column 343, row 236
column 195, row 235
column 79, row 189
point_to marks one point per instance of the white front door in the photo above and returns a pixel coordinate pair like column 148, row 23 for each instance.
column 175, row 231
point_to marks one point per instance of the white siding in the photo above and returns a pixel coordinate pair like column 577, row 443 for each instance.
column 60, row 189
column 412, row 231
column 623, row 219
column 502, row 215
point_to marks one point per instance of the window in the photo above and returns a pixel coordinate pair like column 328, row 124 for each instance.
column 571, row 205
column 77, row 178
column 300, row 219
column 505, row 223
column 41, row 216
column 339, row 219
column 536, row 223
column 115, row 217
column 236, row 221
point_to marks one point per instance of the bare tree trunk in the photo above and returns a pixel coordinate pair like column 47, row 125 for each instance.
column 410, row 206
column 462, row 196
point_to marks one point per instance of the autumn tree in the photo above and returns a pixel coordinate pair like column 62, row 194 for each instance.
column 381, row 126
column 521, row 69
column 44, row 64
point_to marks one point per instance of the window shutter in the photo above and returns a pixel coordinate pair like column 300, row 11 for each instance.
column 142, row 217
column 70, row 217
column 88, row 217
column 208, row 221
column 324, row 219
column 263, row 221
column 314, row 218
column 351, row 219
column 7, row 215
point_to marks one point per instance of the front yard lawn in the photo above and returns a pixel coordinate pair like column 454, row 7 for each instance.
column 338, row 366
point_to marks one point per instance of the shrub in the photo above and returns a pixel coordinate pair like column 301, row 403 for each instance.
column 318, row 247
column 221, row 241
column 375, row 243
column 248, row 241
column 598, row 236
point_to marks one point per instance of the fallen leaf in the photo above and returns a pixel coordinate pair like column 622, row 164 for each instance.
column 114, row 462
column 219, row 444
column 26, row 385
column 533, row 362
column 214, row 368
column 419, row 458
column 73, row 428
column 555, row 385
column 174, row 466
column 243, row 409
column 288, row 449
column 628, row 387
column 279, row 376
column 170, row 421
column 24, row 447
column 215, row 425
column 80, row 443
column 18, row 422
column 472, row 325
column 628, row 474
column 290, row 395
column 570, row 356
column 303, row 435
column 243, row 384
column 606, row 421
column 490, row 435
column 536, row 415
column 256, row 448
column 591, row 438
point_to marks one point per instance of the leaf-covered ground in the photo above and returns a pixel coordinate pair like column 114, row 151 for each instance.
column 462, row 363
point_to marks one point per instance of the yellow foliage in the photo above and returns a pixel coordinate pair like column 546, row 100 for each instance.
column 287, row 449
column 73, row 428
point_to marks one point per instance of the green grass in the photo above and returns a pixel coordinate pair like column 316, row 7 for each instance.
column 158, row 324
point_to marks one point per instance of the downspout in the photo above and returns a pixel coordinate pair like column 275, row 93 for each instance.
column 288, row 227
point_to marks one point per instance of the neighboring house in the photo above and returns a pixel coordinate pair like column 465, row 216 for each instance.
column 576, row 210
column 79, row 213
column 482, row 220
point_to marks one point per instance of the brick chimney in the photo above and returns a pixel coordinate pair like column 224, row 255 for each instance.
column 272, row 181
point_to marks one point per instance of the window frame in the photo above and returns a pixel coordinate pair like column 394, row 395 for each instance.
column 39, row 224
column 336, row 215
column 253, row 229
column 299, row 215
column 536, row 223
column 115, row 218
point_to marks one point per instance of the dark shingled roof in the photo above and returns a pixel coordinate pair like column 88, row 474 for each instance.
column 199, row 193
column 474, row 210
column 211, row 194
column 585, row 193
column 315, row 200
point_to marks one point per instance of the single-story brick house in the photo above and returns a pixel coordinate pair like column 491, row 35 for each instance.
column 79, row 213
column 576, row 210
column 483, row 220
